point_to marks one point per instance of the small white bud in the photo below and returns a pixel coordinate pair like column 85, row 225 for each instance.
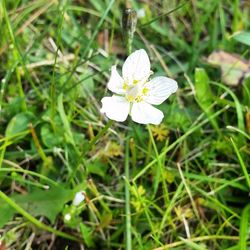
column 67, row 217
column 141, row 13
column 79, row 197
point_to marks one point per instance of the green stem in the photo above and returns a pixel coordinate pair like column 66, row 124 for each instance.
column 127, row 198
column 160, row 170
column 242, row 164
column 58, row 43
column 16, row 57
column 100, row 134
column 201, row 238
column 179, row 140
column 34, row 221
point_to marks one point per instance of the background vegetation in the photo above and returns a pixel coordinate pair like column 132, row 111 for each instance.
column 189, row 177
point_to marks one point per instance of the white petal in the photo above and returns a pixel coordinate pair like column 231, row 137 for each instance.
column 160, row 88
column 136, row 66
column 115, row 107
column 79, row 197
column 145, row 113
column 115, row 82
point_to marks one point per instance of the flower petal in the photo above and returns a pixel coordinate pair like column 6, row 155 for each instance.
column 159, row 89
column 145, row 113
column 79, row 197
column 136, row 66
column 115, row 82
column 115, row 107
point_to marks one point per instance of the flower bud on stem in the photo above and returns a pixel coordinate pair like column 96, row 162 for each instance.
column 129, row 21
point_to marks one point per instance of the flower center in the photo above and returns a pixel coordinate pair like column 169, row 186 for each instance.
column 135, row 92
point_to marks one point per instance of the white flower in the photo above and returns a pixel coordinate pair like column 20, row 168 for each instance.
column 79, row 197
column 135, row 93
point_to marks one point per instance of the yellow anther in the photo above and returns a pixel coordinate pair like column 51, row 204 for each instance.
column 130, row 98
column 125, row 86
column 145, row 91
column 139, row 98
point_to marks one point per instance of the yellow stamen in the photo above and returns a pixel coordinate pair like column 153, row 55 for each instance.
column 139, row 98
column 130, row 98
column 145, row 91
column 125, row 86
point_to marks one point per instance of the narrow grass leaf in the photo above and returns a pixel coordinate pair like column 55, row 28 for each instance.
column 244, row 227
column 242, row 164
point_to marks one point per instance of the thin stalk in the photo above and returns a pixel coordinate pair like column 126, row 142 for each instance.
column 16, row 56
column 38, row 145
column 27, row 172
column 160, row 170
column 242, row 164
column 53, row 82
column 127, row 198
column 201, row 238
column 100, row 134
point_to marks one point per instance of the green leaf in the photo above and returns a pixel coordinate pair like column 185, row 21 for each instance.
column 202, row 89
column 244, row 227
column 99, row 5
column 242, row 37
column 49, row 137
column 48, row 203
column 19, row 123
column 87, row 235
column 86, row 88
column 194, row 245
column 204, row 94
column 246, row 91
column 66, row 123
column 97, row 167
column 106, row 220
column 6, row 213
column 158, row 28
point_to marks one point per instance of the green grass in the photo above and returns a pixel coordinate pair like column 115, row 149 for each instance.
column 182, row 185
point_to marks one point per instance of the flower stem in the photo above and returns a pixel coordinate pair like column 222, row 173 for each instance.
column 127, row 198
column 34, row 221
column 129, row 21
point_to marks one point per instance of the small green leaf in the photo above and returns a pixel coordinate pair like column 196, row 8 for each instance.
column 49, row 137
column 242, row 37
column 106, row 220
column 19, row 123
column 202, row 88
column 65, row 121
column 6, row 213
column 86, row 87
column 87, row 235
column 204, row 94
column 48, row 203
column 98, row 168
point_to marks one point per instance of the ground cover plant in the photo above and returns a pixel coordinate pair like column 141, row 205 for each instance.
column 70, row 178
